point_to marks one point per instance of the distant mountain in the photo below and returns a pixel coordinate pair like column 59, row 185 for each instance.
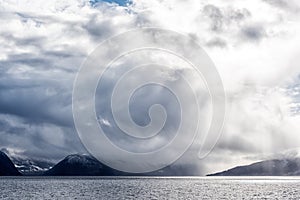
column 81, row 165
column 86, row 165
column 7, row 168
column 31, row 166
column 276, row 167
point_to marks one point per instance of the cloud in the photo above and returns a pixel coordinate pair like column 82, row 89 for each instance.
column 254, row 33
column 285, row 5
column 44, row 46
column 253, row 44
column 42, row 140
column 221, row 18
column 216, row 16
column 216, row 42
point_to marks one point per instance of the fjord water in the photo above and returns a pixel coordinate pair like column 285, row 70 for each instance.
column 150, row 188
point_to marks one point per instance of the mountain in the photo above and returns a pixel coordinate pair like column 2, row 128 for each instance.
column 31, row 166
column 81, row 165
column 86, row 165
column 7, row 168
column 276, row 167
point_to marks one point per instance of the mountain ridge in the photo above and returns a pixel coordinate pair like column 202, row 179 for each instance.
column 7, row 168
column 86, row 165
column 273, row 167
column 80, row 165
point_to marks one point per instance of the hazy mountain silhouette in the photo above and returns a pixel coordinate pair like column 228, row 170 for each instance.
column 276, row 167
column 86, row 165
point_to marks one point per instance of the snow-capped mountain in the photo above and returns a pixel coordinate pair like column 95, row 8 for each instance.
column 26, row 165
column 80, row 165
column 31, row 166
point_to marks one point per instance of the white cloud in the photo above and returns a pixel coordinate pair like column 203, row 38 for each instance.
column 253, row 43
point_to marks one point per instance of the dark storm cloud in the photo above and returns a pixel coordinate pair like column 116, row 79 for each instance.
column 36, row 88
column 35, row 95
column 36, row 106
column 42, row 54
column 32, row 141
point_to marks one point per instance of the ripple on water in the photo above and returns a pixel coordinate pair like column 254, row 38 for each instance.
column 149, row 188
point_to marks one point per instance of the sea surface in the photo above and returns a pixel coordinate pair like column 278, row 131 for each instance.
column 150, row 188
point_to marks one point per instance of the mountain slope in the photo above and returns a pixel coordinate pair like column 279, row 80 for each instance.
column 7, row 168
column 277, row 167
column 80, row 165
column 31, row 166
column 85, row 165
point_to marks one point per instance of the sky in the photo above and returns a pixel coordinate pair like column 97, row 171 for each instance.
column 253, row 43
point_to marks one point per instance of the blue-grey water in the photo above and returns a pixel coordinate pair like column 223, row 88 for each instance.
column 150, row 188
